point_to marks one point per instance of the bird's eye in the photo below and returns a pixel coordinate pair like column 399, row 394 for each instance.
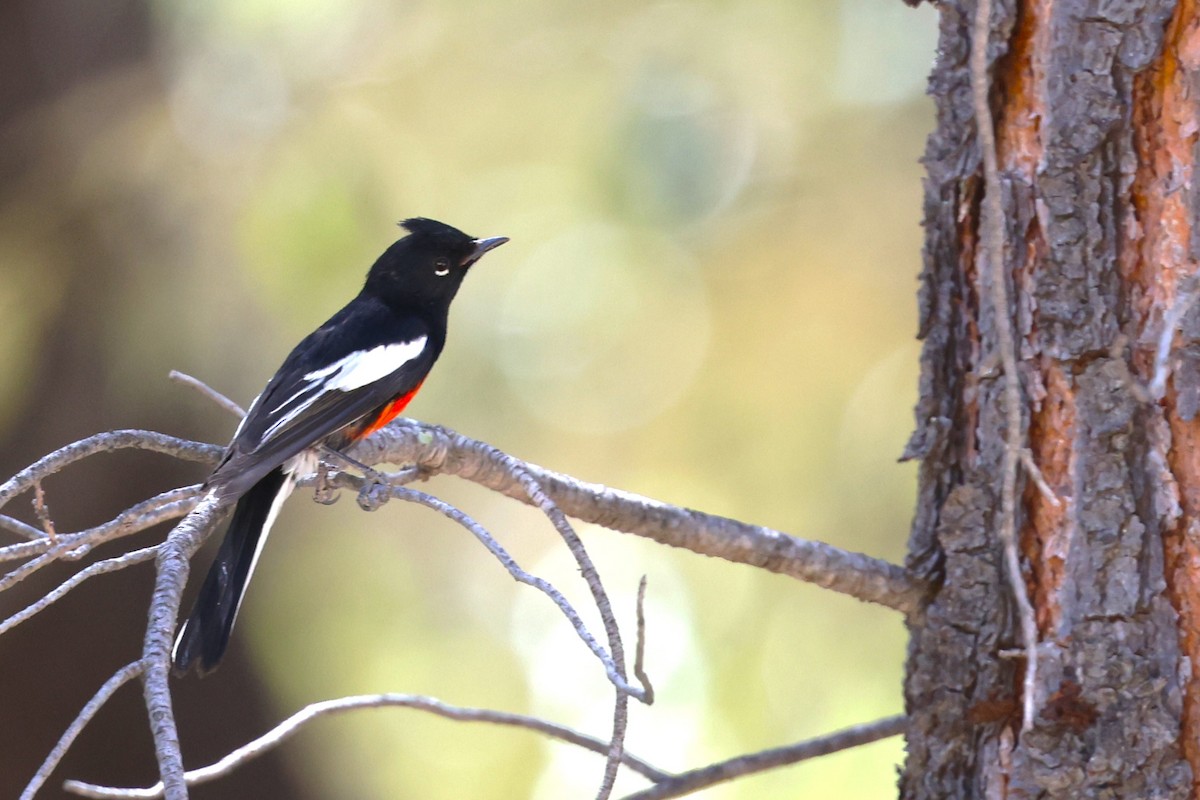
column 441, row 267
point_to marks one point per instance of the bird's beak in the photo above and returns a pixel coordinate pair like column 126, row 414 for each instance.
column 483, row 245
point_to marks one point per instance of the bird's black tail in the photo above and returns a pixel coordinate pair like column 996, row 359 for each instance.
column 205, row 634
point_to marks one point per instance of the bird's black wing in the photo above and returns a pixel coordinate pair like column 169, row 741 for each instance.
column 365, row 356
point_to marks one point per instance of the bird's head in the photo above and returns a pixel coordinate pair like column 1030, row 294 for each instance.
column 427, row 266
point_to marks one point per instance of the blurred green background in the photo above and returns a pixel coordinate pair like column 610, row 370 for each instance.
column 709, row 298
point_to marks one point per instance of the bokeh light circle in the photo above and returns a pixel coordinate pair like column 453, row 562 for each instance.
column 603, row 328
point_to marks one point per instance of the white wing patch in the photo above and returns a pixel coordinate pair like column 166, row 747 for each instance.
column 367, row 366
column 360, row 368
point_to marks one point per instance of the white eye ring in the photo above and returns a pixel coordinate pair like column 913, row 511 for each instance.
column 443, row 268
column 441, row 272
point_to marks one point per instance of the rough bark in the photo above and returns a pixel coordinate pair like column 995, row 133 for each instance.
column 1096, row 136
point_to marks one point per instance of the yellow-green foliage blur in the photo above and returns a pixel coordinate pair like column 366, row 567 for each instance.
column 709, row 298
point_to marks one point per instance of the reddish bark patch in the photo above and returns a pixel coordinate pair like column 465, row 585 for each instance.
column 1047, row 539
column 1182, row 550
column 992, row 710
column 1021, row 92
column 1166, row 116
column 1165, row 122
column 1020, row 83
column 1068, row 707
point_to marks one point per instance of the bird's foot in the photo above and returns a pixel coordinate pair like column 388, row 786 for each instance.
column 324, row 492
column 375, row 491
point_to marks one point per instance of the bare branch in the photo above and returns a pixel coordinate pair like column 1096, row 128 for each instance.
column 515, row 570
column 172, row 566
column 433, row 450
column 207, row 454
column 286, row 729
column 613, row 668
column 209, row 392
column 15, row 552
column 57, row 593
column 122, row 676
column 43, row 511
column 22, row 529
column 591, row 576
column 71, row 546
column 697, row 779
column 991, row 254
column 639, row 657
column 429, row 450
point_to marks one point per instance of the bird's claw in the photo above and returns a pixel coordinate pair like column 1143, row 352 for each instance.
column 325, row 492
column 373, row 494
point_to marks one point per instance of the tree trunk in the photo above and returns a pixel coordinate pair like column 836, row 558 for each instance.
column 1095, row 107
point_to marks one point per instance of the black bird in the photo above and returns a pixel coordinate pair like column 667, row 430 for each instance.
column 344, row 381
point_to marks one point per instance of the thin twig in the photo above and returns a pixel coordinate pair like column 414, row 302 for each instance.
column 613, row 664
column 509, row 563
column 73, row 546
column 693, row 781
column 639, row 654
column 18, row 574
column 43, row 511
column 22, row 529
column 591, row 577
column 435, row 450
column 506, row 560
column 99, row 568
column 209, row 392
column 992, row 255
column 289, row 727
column 168, row 505
column 207, row 454
column 515, row 570
column 119, row 679
column 1032, row 470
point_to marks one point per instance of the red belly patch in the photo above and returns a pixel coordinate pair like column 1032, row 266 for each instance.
column 390, row 411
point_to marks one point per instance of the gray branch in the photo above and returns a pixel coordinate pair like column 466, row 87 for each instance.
column 172, row 572
column 697, row 779
column 122, row 676
column 434, row 450
column 73, row 546
column 104, row 443
column 521, row 576
column 289, row 727
column 428, row 450
column 57, row 593
column 614, row 665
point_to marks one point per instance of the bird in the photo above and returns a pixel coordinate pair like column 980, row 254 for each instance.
column 341, row 383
